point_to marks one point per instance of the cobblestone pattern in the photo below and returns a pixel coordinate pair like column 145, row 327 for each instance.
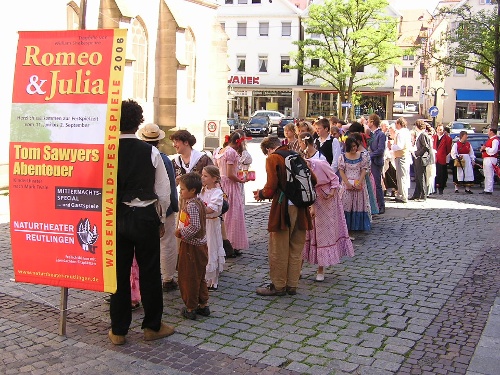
column 369, row 316
column 449, row 343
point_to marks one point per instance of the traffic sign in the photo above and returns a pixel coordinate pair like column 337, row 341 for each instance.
column 433, row 111
column 346, row 105
column 212, row 127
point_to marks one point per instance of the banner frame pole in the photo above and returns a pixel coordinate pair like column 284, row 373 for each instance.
column 63, row 305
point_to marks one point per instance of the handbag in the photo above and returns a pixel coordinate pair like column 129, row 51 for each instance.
column 459, row 163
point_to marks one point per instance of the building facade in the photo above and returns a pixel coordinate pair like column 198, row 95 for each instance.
column 175, row 61
column 467, row 98
column 261, row 36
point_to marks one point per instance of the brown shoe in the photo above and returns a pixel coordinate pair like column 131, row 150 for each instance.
column 291, row 290
column 116, row 339
column 270, row 290
column 165, row 330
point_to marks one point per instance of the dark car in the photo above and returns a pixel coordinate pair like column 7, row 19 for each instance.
column 476, row 140
column 258, row 125
column 234, row 124
column 281, row 131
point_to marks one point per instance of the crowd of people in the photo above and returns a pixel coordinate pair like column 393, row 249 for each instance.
column 170, row 213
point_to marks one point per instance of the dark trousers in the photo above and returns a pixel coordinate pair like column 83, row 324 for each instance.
column 377, row 176
column 191, row 270
column 137, row 233
column 441, row 176
column 420, row 179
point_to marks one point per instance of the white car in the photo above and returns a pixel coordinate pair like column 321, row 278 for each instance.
column 457, row 126
column 411, row 107
column 398, row 108
column 274, row 116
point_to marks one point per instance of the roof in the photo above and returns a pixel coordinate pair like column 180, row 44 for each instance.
column 413, row 22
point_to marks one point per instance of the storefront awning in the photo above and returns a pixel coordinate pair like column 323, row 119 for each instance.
column 485, row 96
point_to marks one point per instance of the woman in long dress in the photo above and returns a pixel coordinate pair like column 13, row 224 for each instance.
column 463, row 157
column 329, row 240
column 227, row 161
column 353, row 166
column 369, row 179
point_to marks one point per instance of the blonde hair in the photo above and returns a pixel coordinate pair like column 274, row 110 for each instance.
column 213, row 171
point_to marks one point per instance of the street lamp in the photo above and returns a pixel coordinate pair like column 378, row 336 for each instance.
column 434, row 92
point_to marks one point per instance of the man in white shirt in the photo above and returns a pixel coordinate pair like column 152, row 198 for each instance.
column 490, row 156
column 401, row 149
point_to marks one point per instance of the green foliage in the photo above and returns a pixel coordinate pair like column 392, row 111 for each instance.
column 353, row 34
column 469, row 42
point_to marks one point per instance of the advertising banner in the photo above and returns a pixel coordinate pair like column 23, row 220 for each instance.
column 63, row 152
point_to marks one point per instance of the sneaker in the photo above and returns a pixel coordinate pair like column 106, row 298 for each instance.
column 270, row 290
column 165, row 330
column 116, row 339
column 203, row 311
column 169, row 286
column 188, row 314
column 320, row 277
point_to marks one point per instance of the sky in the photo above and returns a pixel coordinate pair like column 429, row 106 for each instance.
column 430, row 5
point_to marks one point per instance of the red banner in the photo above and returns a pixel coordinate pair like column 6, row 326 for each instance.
column 63, row 157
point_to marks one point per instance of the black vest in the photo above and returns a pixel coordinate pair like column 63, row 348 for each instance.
column 136, row 173
column 325, row 149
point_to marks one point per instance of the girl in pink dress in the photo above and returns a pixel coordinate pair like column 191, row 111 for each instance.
column 227, row 161
column 329, row 240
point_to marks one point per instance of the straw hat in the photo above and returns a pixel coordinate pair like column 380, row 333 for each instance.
column 150, row 132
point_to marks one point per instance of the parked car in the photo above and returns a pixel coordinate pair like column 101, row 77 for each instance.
column 476, row 140
column 281, row 131
column 258, row 125
column 398, row 108
column 234, row 124
column 275, row 117
column 411, row 107
column 457, row 126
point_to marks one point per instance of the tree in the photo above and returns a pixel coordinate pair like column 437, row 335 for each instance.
column 351, row 35
column 471, row 42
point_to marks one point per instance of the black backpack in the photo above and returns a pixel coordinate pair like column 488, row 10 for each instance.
column 298, row 187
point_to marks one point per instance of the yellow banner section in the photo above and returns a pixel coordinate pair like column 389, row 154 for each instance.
column 110, row 170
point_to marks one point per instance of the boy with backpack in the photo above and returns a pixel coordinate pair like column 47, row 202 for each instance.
column 289, row 217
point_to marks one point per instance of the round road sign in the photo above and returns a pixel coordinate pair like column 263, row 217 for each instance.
column 212, row 127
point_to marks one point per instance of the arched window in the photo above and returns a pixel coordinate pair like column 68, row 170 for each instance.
column 402, row 91
column 73, row 16
column 409, row 91
column 140, row 53
column 191, row 67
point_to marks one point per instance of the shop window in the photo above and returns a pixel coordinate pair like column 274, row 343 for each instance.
column 242, row 29
column 240, row 63
column 286, row 28
column 264, row 28
column 314, row 63
column 285, row 61
column 402, row 91
column 263, row 64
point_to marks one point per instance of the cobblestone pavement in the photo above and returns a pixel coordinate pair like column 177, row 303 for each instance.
column 414, row 300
